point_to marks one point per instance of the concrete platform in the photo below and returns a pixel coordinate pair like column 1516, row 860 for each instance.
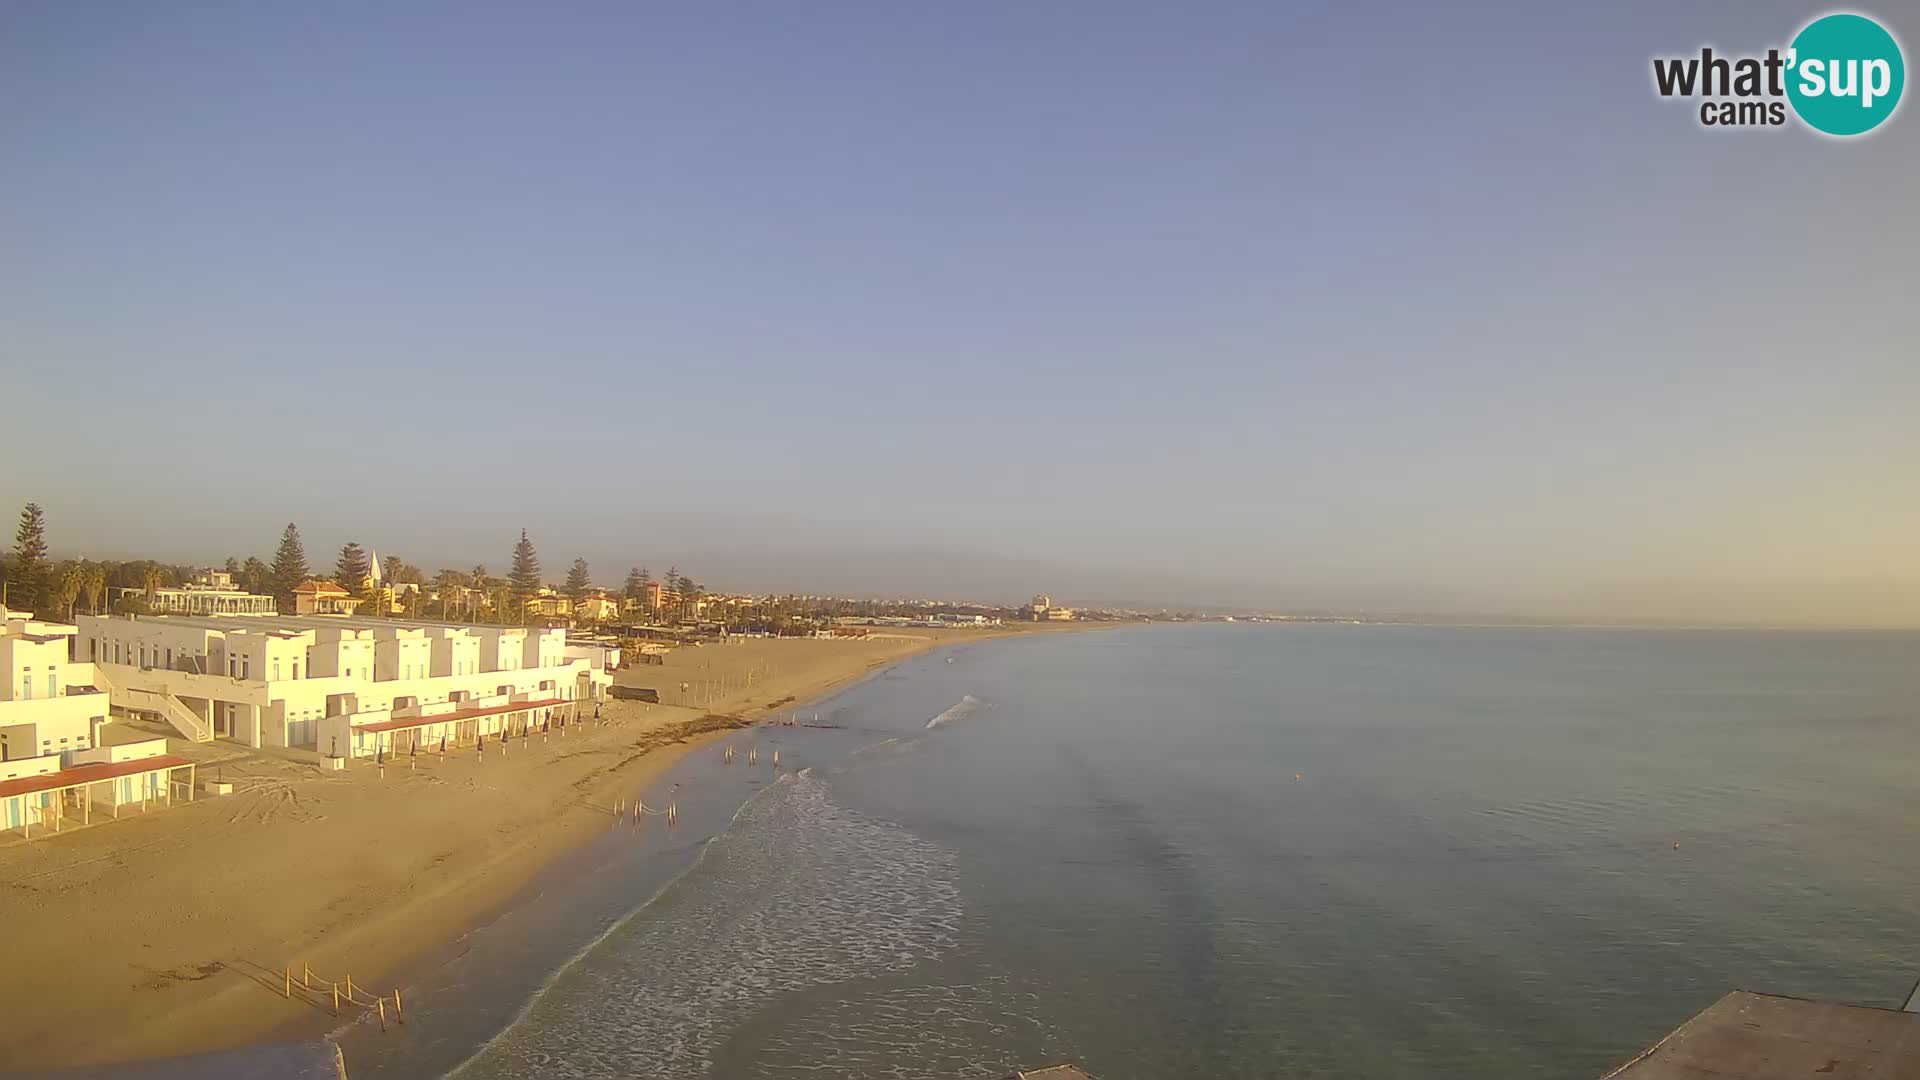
column 1761, row 1037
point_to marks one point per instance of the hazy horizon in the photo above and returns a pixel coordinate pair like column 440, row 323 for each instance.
column 1246, row 306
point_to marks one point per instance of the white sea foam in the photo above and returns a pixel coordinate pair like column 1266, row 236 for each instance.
column 798, row 893
column 960, row 711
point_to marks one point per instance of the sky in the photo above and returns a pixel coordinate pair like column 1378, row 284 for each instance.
column 1387, row 307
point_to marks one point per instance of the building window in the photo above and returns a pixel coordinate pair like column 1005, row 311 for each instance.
column 26, row 687
column 296, row 669
column 276, row 671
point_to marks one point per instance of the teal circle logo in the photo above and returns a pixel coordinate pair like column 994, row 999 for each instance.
column 1845, row 74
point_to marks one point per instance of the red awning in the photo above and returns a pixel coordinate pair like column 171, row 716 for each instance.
column 88, row 774
column 460, row 714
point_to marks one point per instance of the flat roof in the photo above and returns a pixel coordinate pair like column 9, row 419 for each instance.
column 87, row 774
column 239, row 621
column 1756, row 1035
column 460, row 714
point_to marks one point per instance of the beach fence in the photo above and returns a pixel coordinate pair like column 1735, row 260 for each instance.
column 341, row 994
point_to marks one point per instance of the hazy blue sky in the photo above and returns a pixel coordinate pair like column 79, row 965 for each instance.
column 1411, row 306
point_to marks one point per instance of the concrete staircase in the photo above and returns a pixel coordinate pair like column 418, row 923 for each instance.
column 170, row 708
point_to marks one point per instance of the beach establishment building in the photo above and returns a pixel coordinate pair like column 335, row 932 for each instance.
column 210, row 593
column 50, row 707
column 38, row 793
column 56, row 761
column 342, row 686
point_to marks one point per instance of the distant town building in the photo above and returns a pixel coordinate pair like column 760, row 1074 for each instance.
column 1042, row 610
column 547, row 604
column 211, row 592
column 321, row 597
column 598, row 607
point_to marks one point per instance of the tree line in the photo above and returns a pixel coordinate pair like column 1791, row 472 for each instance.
column 31, row 581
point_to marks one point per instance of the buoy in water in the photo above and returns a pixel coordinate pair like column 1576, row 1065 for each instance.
column 1296, row 776
column 1676, row 845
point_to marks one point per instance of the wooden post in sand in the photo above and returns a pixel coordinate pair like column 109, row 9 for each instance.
column 398, row 1018
column 382, row 1004
column 306, row 973
column 349, row 988
column 336, row 999
column 289, row 988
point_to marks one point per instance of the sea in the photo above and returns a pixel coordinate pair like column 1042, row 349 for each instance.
column 1225, row 850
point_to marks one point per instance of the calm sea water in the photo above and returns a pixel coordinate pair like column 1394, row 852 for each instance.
column 1235, row 851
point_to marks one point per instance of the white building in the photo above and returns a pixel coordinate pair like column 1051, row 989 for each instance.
column 316, row 682
column 50, row 707
column 210, row 593
column 38, row 793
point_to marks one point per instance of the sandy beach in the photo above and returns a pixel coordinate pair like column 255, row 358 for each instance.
column 169, row 931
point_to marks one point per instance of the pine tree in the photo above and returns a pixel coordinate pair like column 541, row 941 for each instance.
column 27, row 570
column 579, row 581
column 525, row 575
column 289, row 568
column 350, row 572
column 636, row 585
column 233, row 565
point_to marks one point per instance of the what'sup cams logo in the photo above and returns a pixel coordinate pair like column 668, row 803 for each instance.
column 1842, row 76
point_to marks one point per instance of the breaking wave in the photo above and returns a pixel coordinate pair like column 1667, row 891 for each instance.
column 798, row 893
column 960, row 711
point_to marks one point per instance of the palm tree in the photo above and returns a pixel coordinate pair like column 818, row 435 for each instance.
column 480, row 582
column 72, row 580
column 96, row 586
column 444, row 583
column 152, row 578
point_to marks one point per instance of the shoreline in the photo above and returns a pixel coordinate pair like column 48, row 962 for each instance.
column 192, row 913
